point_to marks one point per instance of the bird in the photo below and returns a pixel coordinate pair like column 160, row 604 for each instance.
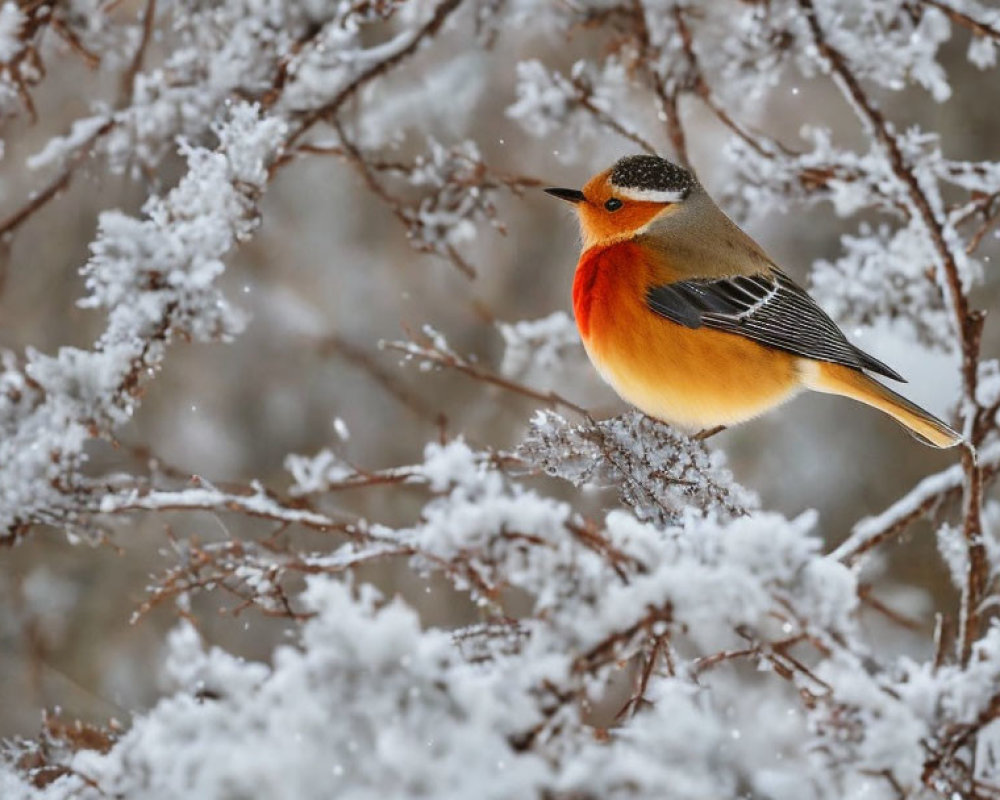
column 690, row 321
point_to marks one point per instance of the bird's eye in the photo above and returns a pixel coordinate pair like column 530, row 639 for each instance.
column 613, row 204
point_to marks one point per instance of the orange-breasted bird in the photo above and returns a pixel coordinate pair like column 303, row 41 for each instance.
column 689, row 320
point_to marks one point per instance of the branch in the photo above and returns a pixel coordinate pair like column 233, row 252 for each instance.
column 962, row 735
column 667, row 98
column 978, row 27
column 441, row 13
column 204, row 497
column 429, row 351
column 607, row 120
column 968, row 323
column 12, row 222
column 927, row 496
column 762, row 145
column 128, row 79
column 362, row 360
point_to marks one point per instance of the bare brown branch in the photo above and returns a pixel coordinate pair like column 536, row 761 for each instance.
column 968, row 322
column 978, row 27
column 40, row 199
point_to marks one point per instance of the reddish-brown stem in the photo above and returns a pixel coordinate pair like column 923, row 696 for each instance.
column 451, row 361
column 128, row 79
column 607, row 120
column 968, row 322
column 666, row 97
column 978, row 27
column 361, row 359
column 430, row 28
column 19, row 217
column 701, row 88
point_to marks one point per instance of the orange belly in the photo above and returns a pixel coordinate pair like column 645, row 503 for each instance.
column 695, row 378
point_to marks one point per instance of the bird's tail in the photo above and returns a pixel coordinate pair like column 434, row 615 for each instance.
column 848, row 382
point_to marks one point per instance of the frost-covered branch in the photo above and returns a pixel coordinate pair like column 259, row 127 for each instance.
column 542, row 604
column 926, row 497
column 979, row 19
column 951, row 263
column 154, row 278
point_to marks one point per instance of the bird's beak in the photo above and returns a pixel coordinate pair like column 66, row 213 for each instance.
column 569, row 195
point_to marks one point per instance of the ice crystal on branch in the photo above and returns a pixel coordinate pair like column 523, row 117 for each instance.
column 659, row 470
column 585, row 101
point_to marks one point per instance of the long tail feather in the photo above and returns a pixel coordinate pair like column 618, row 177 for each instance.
column 848, row 382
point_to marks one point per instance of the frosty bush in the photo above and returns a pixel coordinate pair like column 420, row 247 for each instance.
column 685, row 642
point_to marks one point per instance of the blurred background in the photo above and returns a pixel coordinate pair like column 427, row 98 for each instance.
column 329, row 275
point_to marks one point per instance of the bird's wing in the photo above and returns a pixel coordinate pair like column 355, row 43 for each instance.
column 768, row 308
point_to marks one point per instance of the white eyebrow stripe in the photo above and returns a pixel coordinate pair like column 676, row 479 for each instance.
column 649, row 195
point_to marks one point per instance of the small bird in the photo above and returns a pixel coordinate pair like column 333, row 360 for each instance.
column 689, row 320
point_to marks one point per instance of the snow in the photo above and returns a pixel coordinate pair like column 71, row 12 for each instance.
column 12, row 21
column 624, row 618
column 536, row 348
column 393, row 709
column 982, row 52
column 548, row 101
column 154, row 277
column 452, row 463
column 852, row 288
column 928, row 488
column 60, row 147
column 313, row 474
column 542, row 98
column 660, row 471
column 256, row 504
column 366, row 705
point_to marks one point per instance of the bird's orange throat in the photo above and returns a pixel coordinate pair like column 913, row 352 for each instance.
column 603, row 275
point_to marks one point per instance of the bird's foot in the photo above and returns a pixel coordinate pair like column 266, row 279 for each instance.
column 708, row 433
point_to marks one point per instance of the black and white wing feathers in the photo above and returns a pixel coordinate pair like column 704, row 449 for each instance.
column 768, row 308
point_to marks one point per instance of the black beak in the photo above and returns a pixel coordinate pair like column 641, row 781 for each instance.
column 569, row 195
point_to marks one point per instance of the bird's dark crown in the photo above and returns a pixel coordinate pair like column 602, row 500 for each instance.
column 651, row 174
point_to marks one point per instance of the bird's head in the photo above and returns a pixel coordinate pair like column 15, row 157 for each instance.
column 621, row 202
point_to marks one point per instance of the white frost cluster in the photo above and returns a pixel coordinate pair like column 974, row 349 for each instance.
column 891, row 55
column 154, row 276
column 852, row 288
column 659, row 470
column 535, row 350
column 365, row 705
column 12, row 21
column 446, row 215
column 548, row 101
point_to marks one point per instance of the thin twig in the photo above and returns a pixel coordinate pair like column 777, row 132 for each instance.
column 978, row 27
column 921, row 501
column 607, row 120
column 667, row 98
column 328, row 111
column 134, row 67
column 968, row 322
column 867, row 596
column 454, row 362
column 364, row 361
column 761, row 145
column 207, row 498
column 19, row 217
